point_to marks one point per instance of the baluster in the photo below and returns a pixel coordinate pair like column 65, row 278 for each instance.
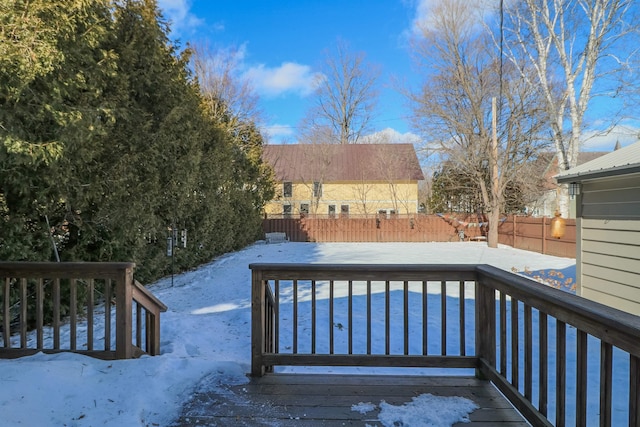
column 23, row 313
column 528, row 352
column 295, row 317
column 276, row 316
column 561, row 378
column 606, row 383
column 443, row 317
column 515, row 343
column 425, row 322
column 107, row 315
column 387, row 320
column 40, row 314
column 139, row 325
column 462, row 326
column 73, row 318
column 90, row 305
column 503, row 334
column 350, row 317
column 331, row 321
column 56, row 314
column 544, row 367
column 634, row 394
column 406, row 317
column 368, row 317
column 313, row 317
column 581, row 378
column 6, row 313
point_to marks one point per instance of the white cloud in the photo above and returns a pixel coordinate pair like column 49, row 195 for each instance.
column 277, row 133
column 595, row 140
column 391, row 136
column 177, row 12
column 425, row 8
column 289, row 77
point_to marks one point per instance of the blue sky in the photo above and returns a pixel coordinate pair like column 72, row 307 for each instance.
column 282, row 45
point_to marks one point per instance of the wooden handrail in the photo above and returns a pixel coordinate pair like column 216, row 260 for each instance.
column 153, row 307
column 310, row 302
column 68, row 282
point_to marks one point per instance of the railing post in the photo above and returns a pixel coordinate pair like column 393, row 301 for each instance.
column 544, row 235
column 485, row 325
column 124, row 318
column 257, row 323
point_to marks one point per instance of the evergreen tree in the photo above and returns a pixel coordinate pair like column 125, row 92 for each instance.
column 53, row 69
column 105, row 135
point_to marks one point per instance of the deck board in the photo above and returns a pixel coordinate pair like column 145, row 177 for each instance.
column 326, row 400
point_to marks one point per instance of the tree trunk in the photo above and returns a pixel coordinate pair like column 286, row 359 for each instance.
column 563, row 200
column 494, row 221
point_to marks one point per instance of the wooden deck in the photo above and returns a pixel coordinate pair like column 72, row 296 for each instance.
column 326, row 400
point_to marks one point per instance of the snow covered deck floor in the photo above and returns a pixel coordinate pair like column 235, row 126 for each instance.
column 328, row 400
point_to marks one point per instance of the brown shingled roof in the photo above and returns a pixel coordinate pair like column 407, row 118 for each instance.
column 348, row 162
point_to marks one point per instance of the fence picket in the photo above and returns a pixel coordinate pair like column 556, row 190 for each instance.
column 521, row 232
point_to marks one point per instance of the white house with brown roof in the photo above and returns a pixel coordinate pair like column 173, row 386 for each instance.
column 608, row 227
column 343, row 180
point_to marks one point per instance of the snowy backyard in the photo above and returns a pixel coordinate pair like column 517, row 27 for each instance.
column 206, row 336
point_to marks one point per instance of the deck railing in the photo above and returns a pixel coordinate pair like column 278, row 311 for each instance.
column 44, row 303
column 557, row 357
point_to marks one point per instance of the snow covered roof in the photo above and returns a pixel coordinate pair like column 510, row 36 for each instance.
column 620, row 162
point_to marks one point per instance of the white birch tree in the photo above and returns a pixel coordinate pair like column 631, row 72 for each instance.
column 578, row 49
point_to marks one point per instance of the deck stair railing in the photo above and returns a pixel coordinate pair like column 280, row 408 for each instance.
column 55, row 307
column 557, row 357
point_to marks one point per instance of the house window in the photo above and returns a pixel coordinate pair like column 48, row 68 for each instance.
column 304, row 209
column 317, row 189
column 344, row 210
column 332, row 211
column 287, row 189
column 286, row 211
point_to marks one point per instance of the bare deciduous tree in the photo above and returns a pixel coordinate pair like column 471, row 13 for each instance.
column 572, row 45
column 231, row 98
column 454, row 107
column 344, row 100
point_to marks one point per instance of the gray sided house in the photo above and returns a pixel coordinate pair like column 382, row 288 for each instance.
column 608, row 227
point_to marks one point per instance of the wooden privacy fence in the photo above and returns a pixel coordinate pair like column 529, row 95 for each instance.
column 43, row 303
column 534, row 234
column 395, row 228
column 521, row 232
column 557, row 357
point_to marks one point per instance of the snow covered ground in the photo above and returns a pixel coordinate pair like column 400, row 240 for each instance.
column 206, row 334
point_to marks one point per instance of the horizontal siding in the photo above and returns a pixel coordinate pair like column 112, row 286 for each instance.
column 622, row 237
column 620, row 182
column 630, row 306
column 610, row 257
column 603, row 273
column 615, row 289
column 612, row 210
column 614, row 198
column 622, row 251
column 608, row 225
column 613, row 262
column 607, row 195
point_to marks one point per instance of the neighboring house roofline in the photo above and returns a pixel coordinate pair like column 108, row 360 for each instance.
column 342, row 163
column 602, row 173
column 624, row 161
